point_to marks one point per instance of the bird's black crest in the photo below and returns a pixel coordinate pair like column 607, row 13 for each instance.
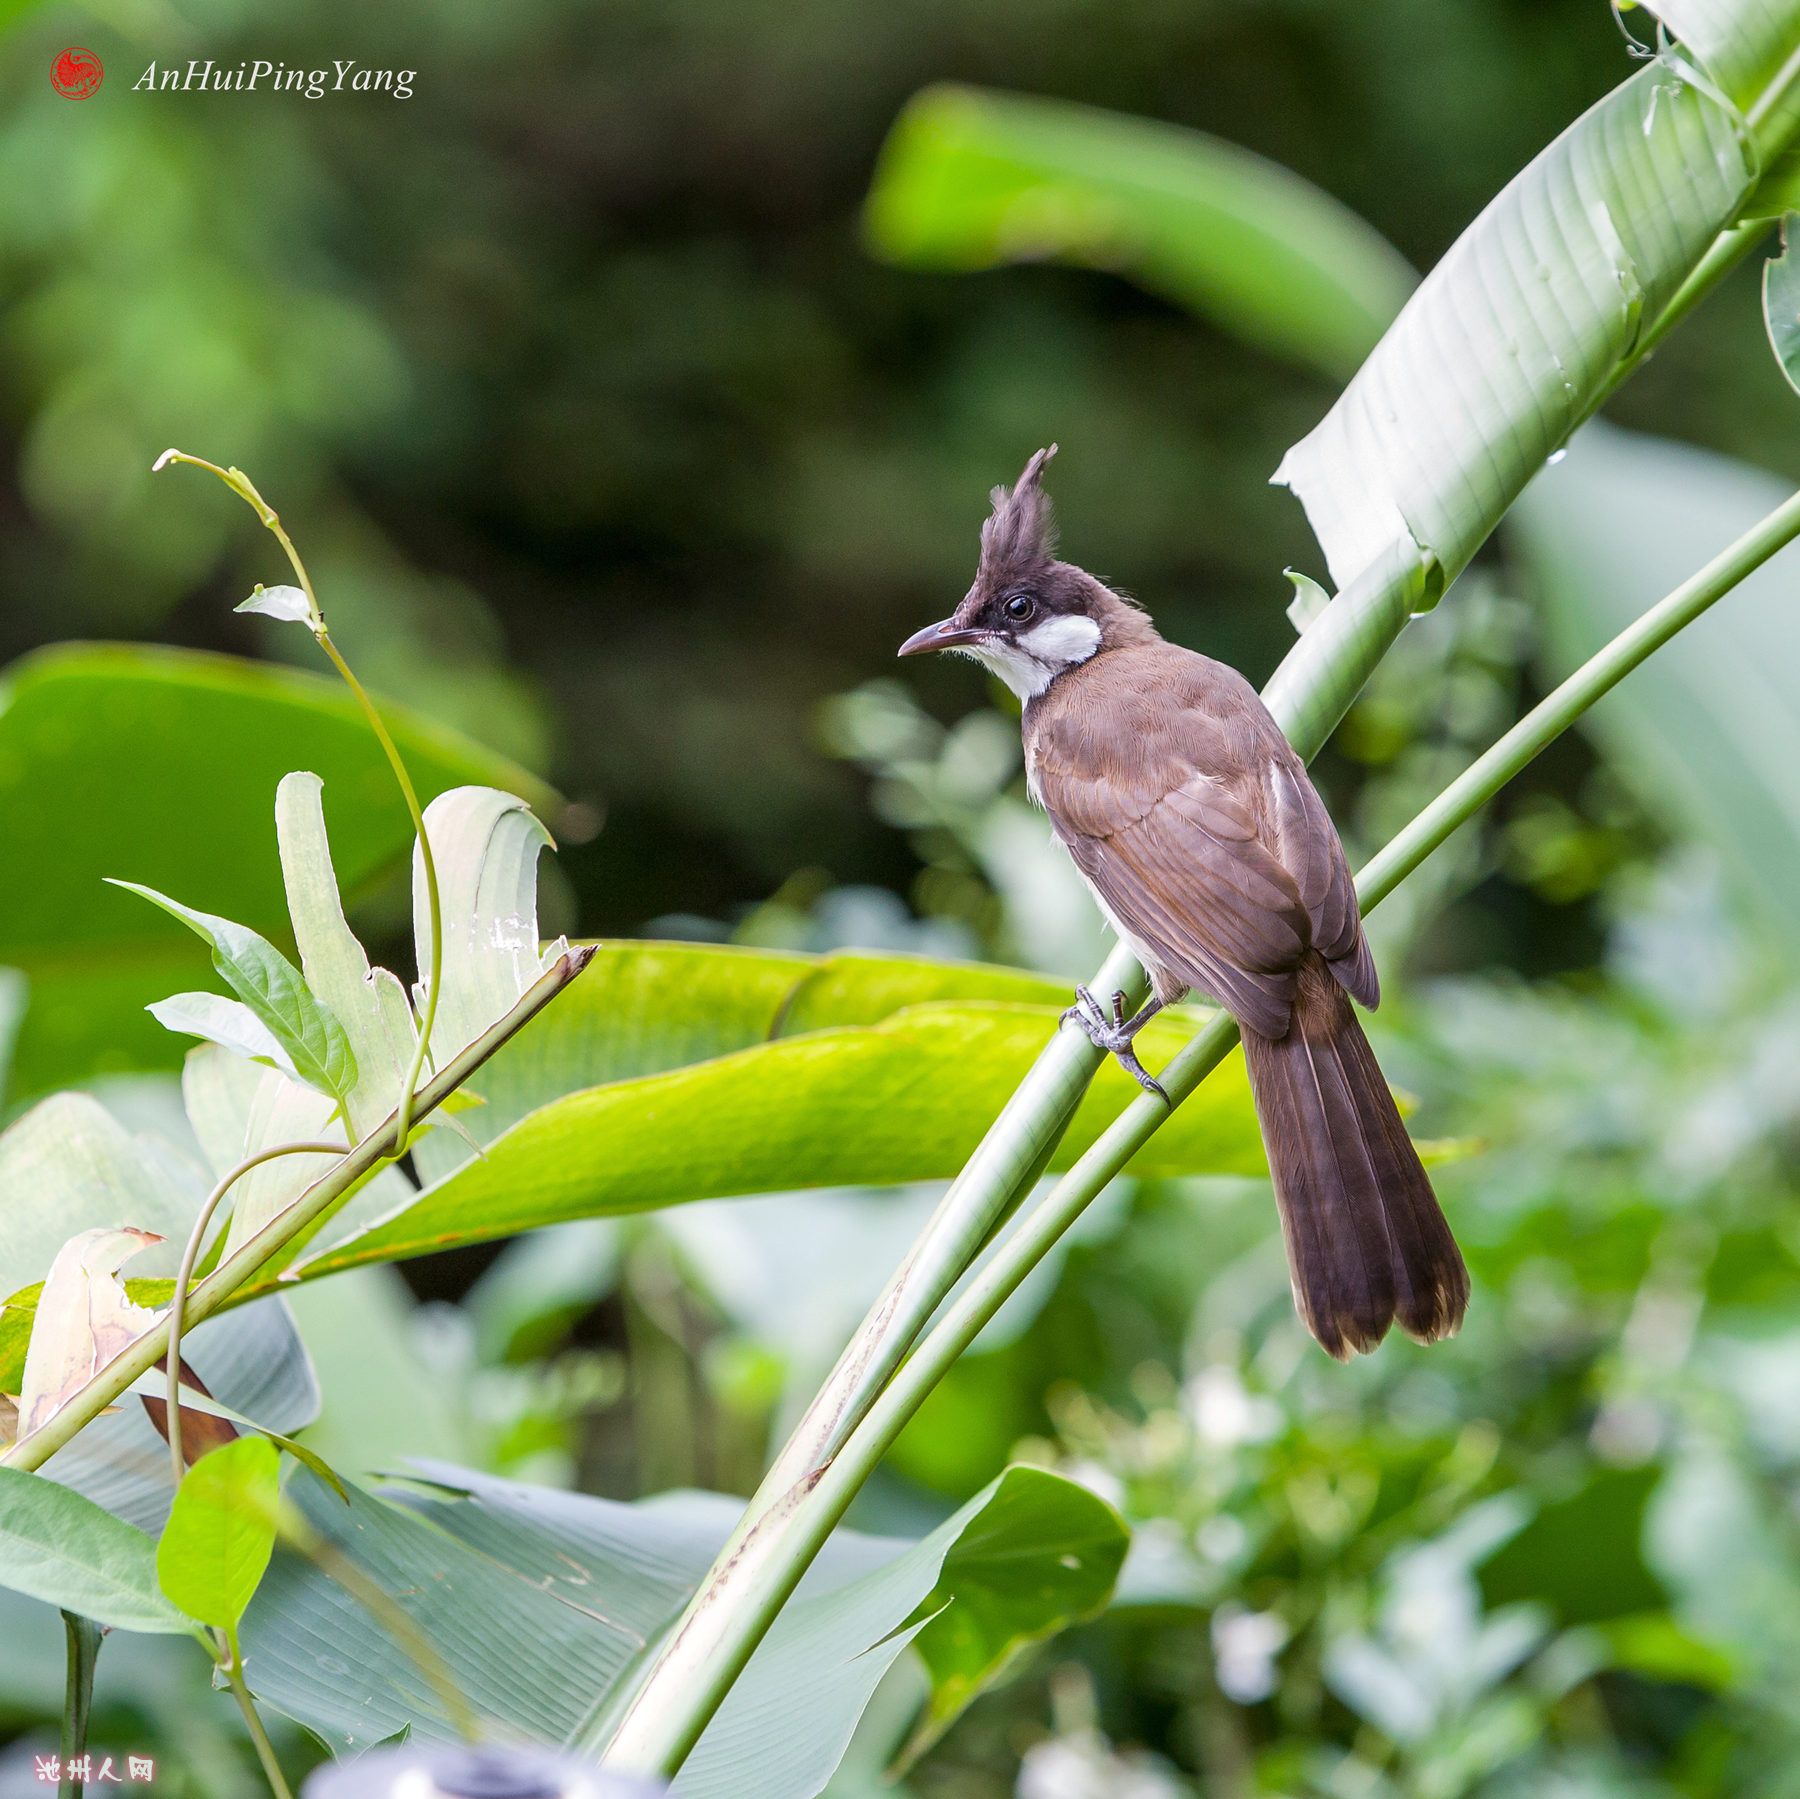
column 1022, row 533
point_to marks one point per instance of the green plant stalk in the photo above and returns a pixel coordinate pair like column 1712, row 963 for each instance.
column 310, row 1208
column 231, row 1664
column 83, row 1639
column 791, row 1535
column 185, row 1273
column 434, row 971
column 246, row 490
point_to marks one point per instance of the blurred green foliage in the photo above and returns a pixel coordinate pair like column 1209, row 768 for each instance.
column 616, row 450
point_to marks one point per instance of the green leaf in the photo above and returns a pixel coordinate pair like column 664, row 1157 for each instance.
column 1514, row 336
column 221, row 1531
column 61, row 1548
column 988, row 1608
column 1781, row 304
column 68, row 1166
column 274, row 990
column 227, row 1022
column 486, row 846
column 1309, row 601
column 903, row 1100
column 970, row 180
column 1705, row 734
column 370, row 1002
column 154, row 1386
column 164, row 755
column 286, row 603
column 570, row 1589
column 256, row 1368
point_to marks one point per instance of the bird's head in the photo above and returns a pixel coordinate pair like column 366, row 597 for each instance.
column 1028, row 617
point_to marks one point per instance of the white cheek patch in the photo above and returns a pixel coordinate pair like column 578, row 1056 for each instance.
column 1024, row 674
column 1062, row 641
column 1038, row 656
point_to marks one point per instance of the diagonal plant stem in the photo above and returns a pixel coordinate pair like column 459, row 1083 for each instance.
column 309, row 1209
column 231, row 1665
column 246, row 490
column 787, row 1538
column 185, row 1273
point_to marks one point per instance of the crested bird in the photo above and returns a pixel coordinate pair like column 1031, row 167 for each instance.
column 1202, row 838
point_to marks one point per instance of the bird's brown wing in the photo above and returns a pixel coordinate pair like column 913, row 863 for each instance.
column 1307, row 845
column 1175, row 855
column 1196, row 825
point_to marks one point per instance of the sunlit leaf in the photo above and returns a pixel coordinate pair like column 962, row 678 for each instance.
column 83, row 1319
column 68, row 1166
column 221, row 1531
column 226, row 1022
column 903, row 1100
column 1781, row 304
column 274, row 990
column 1516, row 332
column 486, row 845
column 370, row 1003
column 287, row 603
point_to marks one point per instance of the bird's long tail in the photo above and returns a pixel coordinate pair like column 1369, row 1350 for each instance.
column 1366, row 1240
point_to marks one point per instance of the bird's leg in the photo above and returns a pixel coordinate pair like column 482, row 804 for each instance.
column 1115, row 1034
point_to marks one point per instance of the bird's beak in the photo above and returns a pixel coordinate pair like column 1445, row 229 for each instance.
column 943, row 636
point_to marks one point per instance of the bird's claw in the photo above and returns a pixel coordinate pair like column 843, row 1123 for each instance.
column 1114, row 1036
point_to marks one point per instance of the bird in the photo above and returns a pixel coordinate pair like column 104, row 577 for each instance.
column 1200, row 834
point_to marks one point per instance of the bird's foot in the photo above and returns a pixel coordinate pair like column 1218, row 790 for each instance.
column 1116, row 1034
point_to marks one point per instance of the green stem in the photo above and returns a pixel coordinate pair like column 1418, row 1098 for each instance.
column 665, row 1719
column 246, row 490
column 185, row 1273
column 83, row 1639
column 427, row 862
column 232, row 1665
column 309, row 1209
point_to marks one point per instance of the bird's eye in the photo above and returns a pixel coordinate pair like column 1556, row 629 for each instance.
column 1020, row 607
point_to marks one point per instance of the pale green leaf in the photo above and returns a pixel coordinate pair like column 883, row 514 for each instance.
column 971, row 179
column 251, row 1359
column 286, row 603
column 1309, row 601
column 486, row 846
column 236, row 1109
column 221, row 1531
column 1514, row 335
column 83, row 1319
column 1742, row 48
column 1781, row 304
column 227, row 1022
column 570, row 1589
column 68, row 1166
column 370, row 1003
column 272, row 987
column 63, row 1549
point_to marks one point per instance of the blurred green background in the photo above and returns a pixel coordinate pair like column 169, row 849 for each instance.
column 615, row 444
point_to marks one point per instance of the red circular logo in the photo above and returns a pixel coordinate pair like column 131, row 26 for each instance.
column 76, row 74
